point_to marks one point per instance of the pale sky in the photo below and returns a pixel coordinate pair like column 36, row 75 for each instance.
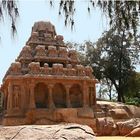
column 87, row 27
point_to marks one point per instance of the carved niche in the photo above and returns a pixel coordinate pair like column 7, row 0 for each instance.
column 41, row 35
column 40, row 52
column 45, row 69
column 70, row 71
column 57, row 69
column 52, row 52
column 63, row 52
column 15, row 68
column 88, row 71
column 16, row 96
column 34, row 68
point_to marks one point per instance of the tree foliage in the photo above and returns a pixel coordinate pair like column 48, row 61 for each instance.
column 113, row 58
column 133, row 90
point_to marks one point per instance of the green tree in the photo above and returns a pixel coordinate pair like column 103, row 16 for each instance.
column 113, row 58
column 133, row 89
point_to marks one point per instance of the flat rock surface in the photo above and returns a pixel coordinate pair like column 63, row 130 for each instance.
column 47, row 132
column 117, row 138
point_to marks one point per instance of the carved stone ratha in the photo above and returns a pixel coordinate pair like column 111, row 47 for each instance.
column 47, row 81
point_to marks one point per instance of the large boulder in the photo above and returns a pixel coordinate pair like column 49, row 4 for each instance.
column 125, row 127
column 106, row 126
column 119, row 113
column 135, row 110
column 47, row 132
column 134, row 133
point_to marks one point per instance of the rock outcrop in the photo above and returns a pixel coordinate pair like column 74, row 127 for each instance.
column 125, row 127
column 106, row 127
column 114, row 118
column 47, row 132
column 134, row 133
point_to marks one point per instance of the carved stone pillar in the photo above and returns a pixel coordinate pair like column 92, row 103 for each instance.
column 5, row 99
column 68, row 102
column 23, row 101
column 10, row 98
column 50, row 97
column 32, row 98
column 85, row 95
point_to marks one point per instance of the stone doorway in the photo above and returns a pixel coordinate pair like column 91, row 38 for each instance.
column 76, row 96
column 59, row 95
column 41, row 95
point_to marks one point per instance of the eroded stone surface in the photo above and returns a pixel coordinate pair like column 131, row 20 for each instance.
column 106, row 126
column 125, row 127
column 114, row 118
column 134, row 133
column 48, row 132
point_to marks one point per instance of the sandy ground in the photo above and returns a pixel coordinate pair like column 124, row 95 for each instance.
column 118, row 138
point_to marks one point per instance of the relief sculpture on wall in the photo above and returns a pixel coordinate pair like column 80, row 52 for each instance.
column 16, row 96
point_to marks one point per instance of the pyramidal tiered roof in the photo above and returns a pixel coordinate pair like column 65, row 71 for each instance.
column 45, row 53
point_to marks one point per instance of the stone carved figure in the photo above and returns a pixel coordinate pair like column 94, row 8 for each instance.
column 34, row 68
column 15, row 68
column 26, row 53
column 88, row 71
column 16, row 97
column 80, row 70
column 40, row 51
column 63, row 52
column 52, row 52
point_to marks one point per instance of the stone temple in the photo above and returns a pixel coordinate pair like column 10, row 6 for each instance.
column 47, row 84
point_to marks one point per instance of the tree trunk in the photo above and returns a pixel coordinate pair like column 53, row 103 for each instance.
column 122, row 96
column 119, row 97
